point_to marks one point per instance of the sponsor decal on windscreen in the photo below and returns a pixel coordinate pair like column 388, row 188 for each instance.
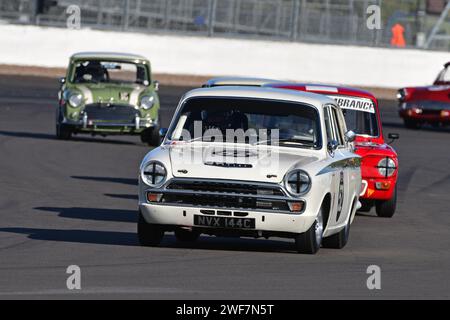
column 358, row 104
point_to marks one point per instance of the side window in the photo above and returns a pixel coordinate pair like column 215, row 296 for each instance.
column 338, row 134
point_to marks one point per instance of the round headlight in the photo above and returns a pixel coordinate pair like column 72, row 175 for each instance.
column 75, row 100
column 386, row 167
column 154, row 174
column 147, row 102
column 297, row 182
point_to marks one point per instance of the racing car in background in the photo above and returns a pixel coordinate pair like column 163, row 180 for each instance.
column 379, row 160
column 429, row 104
column 108, row 93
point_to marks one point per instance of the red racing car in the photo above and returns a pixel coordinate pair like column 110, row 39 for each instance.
column 379, row 159
column 430, row 104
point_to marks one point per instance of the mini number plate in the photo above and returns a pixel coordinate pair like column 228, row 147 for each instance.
column 224, row 222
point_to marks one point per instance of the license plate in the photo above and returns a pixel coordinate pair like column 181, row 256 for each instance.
column 224, row 222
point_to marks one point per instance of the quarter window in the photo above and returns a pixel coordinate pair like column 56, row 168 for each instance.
column 328, row 124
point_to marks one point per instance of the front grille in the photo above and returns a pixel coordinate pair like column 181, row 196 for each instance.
column 227, row 194
column 232, row 188
column 113, row 112
column 431, row 112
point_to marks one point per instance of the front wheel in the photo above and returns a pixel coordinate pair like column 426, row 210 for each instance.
column 386, row 208
column 338, row 240
column 63, row 131
column 149, row 235
column 151, row 136
column 310, row 241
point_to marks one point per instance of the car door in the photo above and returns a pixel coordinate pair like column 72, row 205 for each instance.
column 347, row 179
column 337, row 162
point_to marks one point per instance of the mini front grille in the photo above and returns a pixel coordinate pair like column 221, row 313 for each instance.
column 111, row 112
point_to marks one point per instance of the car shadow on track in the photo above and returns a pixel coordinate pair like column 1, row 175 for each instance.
column 133, row 182
column 95, row 214
column 230, row 244
column 169, row 242
column 78, row 236
column 47, row 136
column 122, row 196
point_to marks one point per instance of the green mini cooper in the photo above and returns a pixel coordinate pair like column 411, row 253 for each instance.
column 108, row 93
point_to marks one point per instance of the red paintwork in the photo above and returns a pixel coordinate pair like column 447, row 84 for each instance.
column 371, row 149
column 438, row 92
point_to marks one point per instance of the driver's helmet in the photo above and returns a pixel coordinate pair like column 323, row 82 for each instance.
column 95, row 70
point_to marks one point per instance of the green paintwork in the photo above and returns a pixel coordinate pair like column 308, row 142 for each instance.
column 104, row 93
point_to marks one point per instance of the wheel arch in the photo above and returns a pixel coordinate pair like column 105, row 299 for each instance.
column 326, row 207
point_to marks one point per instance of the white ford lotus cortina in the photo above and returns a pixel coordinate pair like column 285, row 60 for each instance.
column 256, row 162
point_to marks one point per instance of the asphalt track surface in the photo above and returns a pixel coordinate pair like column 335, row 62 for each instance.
column 74, row 203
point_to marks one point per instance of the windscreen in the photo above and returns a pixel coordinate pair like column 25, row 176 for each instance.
column 359, row 113
column 444, row 76
column 251, row 121
column 96, row 71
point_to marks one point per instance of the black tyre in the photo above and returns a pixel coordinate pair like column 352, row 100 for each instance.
column 151, row 136
column 386, row 209
column 411, row 124
column 149, row 235
column 63, row 131
column 309, row 242
column 338, row 240
column 186, row 235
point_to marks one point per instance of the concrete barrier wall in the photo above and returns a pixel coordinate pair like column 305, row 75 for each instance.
column 197, row 56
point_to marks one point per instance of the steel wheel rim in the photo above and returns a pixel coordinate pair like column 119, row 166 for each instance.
column 319, row 228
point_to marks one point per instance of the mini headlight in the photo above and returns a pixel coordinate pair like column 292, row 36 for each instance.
column 154, row 174
column 386, row 167
column 147, row 102
column 297, row 182
column 75, row 100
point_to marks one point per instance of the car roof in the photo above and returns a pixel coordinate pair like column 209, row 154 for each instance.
column 324, row 89
column 108, row 55
column 262, row 93
column 238, row 81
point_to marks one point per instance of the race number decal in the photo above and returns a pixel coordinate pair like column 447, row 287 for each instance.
column 358, row 104
column 340, row 203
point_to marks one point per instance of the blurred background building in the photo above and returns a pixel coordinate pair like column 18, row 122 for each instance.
column 423, row 23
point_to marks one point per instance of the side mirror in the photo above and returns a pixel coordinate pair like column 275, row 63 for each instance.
column 62, row 80
column 162, row 132
column 350, row 136
column 156, row 85
column 393, row 136
column 332, row 146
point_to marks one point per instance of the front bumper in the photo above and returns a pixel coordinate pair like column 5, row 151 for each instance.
column 430, row 115
column 183, row 216
column 86, row 125
column 179, row 199
column 373, row 192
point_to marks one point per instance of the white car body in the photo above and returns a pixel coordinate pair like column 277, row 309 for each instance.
column 334, row 175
